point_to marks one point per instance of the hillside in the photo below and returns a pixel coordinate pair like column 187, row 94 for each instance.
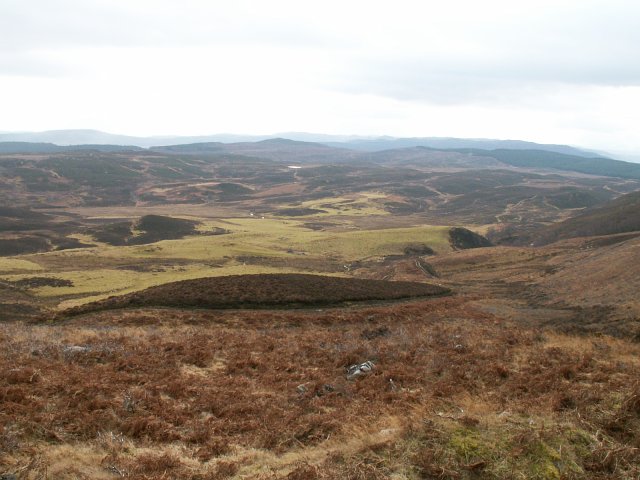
column 604, row 273
column 428, row 157
column 618, row 216
column 560, row 161
column 586, row 285
column 277, row 149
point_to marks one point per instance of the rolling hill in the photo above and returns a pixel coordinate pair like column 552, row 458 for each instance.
column 560, row 161
column 621, row 215
column 277, row 149
column 264, row 291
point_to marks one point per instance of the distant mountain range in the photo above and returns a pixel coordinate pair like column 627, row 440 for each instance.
column 96, row 137
column 537, row 156
column 441, row 143
column 41, row 147
column 371, row 144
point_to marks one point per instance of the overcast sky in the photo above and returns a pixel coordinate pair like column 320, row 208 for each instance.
column 549, row 71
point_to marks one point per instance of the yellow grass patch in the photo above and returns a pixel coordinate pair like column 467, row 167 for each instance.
column 9, row 264
column 363, row 204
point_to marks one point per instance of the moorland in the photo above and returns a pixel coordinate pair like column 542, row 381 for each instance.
column 192, row 311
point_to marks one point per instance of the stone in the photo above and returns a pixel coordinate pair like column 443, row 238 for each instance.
column 360, row 369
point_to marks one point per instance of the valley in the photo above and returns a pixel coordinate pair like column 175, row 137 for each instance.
column 193, row 311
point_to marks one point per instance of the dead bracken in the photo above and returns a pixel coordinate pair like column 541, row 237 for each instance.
column 263, row 394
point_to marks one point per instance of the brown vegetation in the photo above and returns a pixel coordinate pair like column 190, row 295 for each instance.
column 263, row 291
column 455, row 393
column 621, row 215
column 580, row 286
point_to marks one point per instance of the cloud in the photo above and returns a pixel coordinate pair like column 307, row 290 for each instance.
column 32, row 64
column 547, row 70
column 445, row 53
column 500, row 56
column 53, row 24
column 475, row 80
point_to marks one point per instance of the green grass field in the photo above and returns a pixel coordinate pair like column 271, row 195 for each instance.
column 358, row 245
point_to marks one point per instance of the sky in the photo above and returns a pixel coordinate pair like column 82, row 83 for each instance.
column 560, row 71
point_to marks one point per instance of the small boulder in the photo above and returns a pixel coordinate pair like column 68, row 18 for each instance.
column 360, row 369
column 73, row 349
